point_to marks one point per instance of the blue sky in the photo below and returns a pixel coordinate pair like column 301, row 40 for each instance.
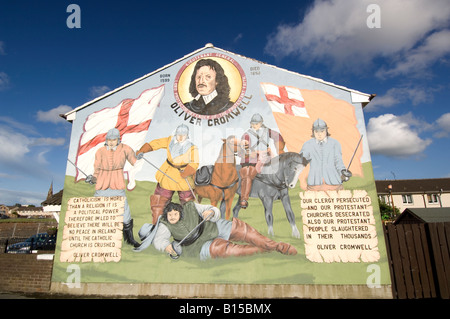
column 47, row 68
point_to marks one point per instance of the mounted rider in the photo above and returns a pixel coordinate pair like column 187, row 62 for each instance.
column 176, row 173
column 257, row 152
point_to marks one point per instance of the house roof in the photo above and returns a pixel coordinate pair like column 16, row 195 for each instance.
column 55, row 199
column 418, row 186
column 357, row 96
column 425, row 215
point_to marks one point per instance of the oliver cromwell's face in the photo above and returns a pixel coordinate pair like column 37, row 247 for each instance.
column 205, row 80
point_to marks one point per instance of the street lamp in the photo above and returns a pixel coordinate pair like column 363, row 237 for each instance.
column 392, row 199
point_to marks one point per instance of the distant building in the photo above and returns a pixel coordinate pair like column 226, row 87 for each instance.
column 52, row 205
column 424, row 215
column 414, row 193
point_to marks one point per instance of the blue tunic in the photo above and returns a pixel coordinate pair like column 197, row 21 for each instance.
column 325, row 161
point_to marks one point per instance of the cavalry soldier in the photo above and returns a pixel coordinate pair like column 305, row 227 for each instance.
column 176, row 173
column 257, row 152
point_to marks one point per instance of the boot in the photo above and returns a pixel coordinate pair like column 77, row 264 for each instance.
column 128, row 234
column 248, row 174
column 241, row 231
column 221, row 248
column 157, row 204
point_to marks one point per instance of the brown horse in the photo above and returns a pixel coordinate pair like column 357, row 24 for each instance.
column 224, row 178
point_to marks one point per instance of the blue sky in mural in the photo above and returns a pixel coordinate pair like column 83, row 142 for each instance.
column 47, row 68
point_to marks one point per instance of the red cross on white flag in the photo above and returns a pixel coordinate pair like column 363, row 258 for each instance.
column 132, row 117
column 285, row 99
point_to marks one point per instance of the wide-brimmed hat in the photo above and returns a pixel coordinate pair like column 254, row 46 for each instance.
column 147, row 233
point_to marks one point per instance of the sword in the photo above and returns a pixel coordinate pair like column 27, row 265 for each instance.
column 192, row 191
column 77, row 167
column 159, row 169
column 357, row 146
column 177, row 246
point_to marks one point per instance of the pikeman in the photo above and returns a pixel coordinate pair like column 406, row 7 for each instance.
column 255, row 142
column 176, row 173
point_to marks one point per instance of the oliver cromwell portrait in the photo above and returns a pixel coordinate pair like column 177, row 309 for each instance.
column 210, row 86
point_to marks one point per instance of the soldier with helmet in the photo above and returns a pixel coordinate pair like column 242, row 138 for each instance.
column 257, row 152
column 108, row 176
column 327, row 170
column 176, row 173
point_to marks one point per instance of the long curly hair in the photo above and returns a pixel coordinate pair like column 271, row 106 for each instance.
column 170, row 207
column 222, row 88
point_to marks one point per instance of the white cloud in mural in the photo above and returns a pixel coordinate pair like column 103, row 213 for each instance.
column 412, row 35
column 397, row 136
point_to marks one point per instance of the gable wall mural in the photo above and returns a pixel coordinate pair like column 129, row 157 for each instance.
column 219, row 169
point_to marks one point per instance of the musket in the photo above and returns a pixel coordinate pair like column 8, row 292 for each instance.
column 357, row 146
column 159, row 169
column 177, row 246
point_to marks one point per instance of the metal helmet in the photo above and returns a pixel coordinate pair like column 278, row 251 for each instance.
column 319, row 124
column 113, row 134
column 182, row 130
column 256, row 118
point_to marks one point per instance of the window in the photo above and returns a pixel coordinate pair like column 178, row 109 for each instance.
column 407, row 199
column 432, row 198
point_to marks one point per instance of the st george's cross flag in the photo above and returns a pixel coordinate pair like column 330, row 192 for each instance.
column 132, row 117
column 295, row 111
column 285, row 99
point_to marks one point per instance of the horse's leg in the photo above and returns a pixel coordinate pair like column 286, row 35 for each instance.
column 289, row 212
column 268, row 206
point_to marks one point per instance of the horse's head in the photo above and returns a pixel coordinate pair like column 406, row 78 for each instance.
column 294, row 165
column 230, row 148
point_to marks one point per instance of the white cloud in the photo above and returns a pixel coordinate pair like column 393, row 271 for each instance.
column 408, row 94
column 336, row 32
column 4, row 81
column 435, row 46
column 396, row 136
column 97, row 91
column 443, row 125
column 47, row 141
column 52, row 115
column 13, row 145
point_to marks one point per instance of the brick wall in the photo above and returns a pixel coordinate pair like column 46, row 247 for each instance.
column 25, row 273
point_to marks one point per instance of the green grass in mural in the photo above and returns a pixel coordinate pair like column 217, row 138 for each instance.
column 270, row 268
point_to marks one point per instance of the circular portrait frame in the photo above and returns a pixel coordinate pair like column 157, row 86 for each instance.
column 234, row 73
